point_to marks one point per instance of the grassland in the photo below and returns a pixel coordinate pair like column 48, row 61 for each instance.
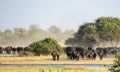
column 51, row 69
column 47, row 60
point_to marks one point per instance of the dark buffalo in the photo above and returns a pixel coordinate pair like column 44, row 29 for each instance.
column 91, row 53
column 73, row 53
column 94, row 55
column 8, row 49
column 14, row 50
column 68, row 51
column 77, row 56
column 108, row 51
column 55, row 55
column 19, row 49
column 58, row 57
column 101, row 54
column 1, row 50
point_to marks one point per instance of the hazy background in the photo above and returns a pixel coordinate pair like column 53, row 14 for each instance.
column 17, row 17
column 24, row 37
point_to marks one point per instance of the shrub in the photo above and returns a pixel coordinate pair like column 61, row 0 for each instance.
column 45, row 46
column 116, row 65
column 25, row 53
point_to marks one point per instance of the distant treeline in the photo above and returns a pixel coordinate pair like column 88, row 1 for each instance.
column 23, row 37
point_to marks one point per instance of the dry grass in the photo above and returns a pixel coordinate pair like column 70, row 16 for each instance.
column 51, row 69
column 30, row 58
column 48, row 59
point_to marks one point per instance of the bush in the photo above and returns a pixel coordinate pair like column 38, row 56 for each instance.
column 116, row 65
column 25, row 53
column 45, row 46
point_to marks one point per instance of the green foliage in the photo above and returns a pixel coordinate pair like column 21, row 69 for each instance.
column 86, row 35
column 45, row 46
column 104, row 29
column 108, row 28
column 25, row 53
column 116, row 65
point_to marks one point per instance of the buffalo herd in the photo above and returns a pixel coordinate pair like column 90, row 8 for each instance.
column 75, row 53
column 72, row 53
column 12, row 50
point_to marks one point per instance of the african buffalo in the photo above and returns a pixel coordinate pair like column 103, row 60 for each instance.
column 101, row 54
column 19, row 49
column 1, row 50
column 73, row 53
column 8, row 49
column 55, row 55
column 14, row 50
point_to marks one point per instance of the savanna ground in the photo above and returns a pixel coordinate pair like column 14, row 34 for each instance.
column 51, row 69
column 48, row 60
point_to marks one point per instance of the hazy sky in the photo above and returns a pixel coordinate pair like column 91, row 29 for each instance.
column 66, row 14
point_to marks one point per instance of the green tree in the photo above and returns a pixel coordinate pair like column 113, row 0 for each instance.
column 104, row 29
column 86, row 35
column 109, row 29
column 45, row 46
